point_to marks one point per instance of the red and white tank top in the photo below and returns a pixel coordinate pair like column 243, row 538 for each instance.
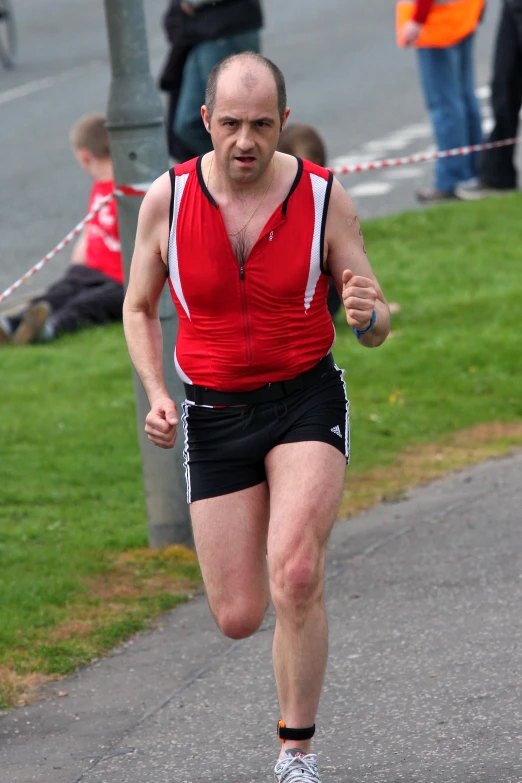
column 243, row 327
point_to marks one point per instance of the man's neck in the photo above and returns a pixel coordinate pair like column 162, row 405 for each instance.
column 223, row 185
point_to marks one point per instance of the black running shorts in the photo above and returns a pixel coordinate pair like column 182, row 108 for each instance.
column 225, row 447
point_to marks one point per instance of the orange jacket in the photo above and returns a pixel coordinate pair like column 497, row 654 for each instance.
column 448, row 22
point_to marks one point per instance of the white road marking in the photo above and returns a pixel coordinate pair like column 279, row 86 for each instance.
column 44, row 84
column 408, row 172
column 350, row 160
column 398, row 140
column 365, row 189
column 391, row 143
column 418, row 130
column 29, row 88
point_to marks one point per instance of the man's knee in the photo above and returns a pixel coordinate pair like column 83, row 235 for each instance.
column 239, row 618
column 296, row 579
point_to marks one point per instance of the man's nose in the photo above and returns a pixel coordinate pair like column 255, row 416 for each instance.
column 245, row 140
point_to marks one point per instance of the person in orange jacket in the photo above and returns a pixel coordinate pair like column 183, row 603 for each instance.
column 443, row 32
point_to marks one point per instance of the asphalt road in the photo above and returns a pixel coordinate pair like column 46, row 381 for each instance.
column 344, row 73
column 423, row 682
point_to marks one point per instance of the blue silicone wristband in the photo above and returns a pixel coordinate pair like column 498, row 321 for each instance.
column 370, row 326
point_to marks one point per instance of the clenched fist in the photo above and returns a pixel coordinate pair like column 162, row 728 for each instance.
column 359, row 297
column 161, row 423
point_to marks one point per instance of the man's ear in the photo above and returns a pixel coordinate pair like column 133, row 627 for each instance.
column 205, row 117
column 285, row 117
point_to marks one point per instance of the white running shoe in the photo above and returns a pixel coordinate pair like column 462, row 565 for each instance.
column 297, row 767
column 475, row 190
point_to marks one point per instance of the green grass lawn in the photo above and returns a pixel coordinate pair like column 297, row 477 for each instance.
column 454, row 358
column 75, row 577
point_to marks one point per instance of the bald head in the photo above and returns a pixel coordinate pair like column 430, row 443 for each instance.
column 250, row 70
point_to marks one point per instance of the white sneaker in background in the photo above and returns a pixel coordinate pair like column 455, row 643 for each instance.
column 475, row 190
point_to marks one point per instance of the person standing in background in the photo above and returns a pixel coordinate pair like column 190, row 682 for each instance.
column 443, row 33
column 497, row 170
column 201, row 33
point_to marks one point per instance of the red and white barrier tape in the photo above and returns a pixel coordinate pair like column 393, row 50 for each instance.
column 422, row 157
column 122, row 190
column 132, row 190
column 141, row 189
column 60, row 246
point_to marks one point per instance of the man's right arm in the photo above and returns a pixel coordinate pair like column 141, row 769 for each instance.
column 140, row 311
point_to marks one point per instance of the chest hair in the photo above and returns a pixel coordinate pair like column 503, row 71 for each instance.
column 241, row 245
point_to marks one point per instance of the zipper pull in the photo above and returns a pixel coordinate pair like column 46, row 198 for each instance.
column 241, row 271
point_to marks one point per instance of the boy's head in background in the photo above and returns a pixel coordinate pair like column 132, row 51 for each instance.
column 304, row 142
column 90, row 143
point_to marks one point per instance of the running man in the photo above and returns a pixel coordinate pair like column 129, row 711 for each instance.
column 248, row 238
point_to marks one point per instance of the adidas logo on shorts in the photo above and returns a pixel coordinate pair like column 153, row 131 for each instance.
column 337, row 431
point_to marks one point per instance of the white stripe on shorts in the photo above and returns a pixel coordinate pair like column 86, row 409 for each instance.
column 347, row 419
column 184, row 418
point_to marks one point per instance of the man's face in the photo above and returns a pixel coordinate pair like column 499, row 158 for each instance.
column 245, row 124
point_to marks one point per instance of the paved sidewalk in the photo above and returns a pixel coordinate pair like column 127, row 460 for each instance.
column 423, row 684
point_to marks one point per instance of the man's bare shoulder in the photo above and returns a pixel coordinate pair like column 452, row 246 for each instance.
column 341, row 207
column 153, row 221
column 288, row 165
column 157, row 200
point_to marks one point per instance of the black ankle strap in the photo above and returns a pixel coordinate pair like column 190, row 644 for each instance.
column 284, row 733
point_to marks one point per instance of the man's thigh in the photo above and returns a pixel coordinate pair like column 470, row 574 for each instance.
column 306, row 483
column 230, row 533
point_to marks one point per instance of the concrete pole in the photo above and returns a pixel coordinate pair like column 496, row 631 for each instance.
column 139, row 152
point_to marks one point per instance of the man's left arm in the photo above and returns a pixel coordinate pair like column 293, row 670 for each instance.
column 348, row 264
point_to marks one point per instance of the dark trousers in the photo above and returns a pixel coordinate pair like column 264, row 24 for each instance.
column 497, row 167
column 83, row 297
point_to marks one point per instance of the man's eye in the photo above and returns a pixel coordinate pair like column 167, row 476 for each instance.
column 230, row 123
column 261, row 124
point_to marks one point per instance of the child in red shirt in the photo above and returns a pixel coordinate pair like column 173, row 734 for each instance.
column 91, row 291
